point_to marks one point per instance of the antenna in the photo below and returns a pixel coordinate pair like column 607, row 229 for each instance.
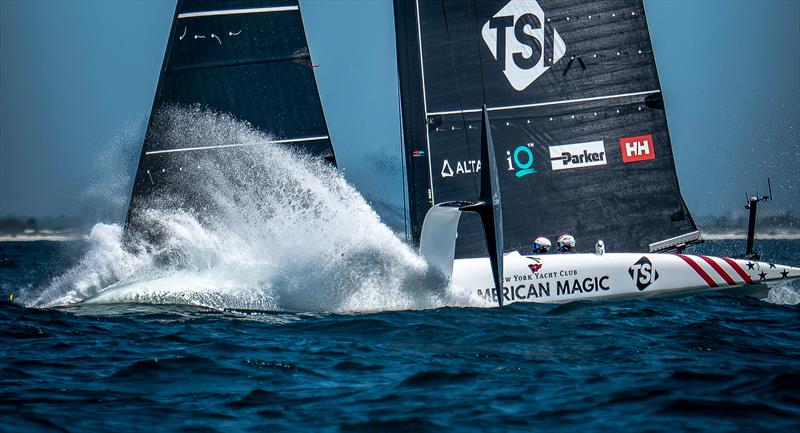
column 752, row 205
column 769, row 185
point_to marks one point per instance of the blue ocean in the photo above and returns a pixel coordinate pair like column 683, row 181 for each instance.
column 151, row 362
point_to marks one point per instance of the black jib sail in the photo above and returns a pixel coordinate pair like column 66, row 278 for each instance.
column 247, row 59
column 577, row 117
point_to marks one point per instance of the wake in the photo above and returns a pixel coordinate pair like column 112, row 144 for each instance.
column 279, row 232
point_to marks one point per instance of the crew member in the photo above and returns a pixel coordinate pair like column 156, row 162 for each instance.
column 566, row 244
column 541, row 245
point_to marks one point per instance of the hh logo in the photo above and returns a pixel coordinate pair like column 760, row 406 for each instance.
column 521, row 39
column 643, row 273
column 637, row 148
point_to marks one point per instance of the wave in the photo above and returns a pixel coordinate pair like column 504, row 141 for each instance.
column 280, row 232
column 783, row 294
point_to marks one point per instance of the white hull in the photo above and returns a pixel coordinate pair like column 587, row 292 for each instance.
column 560, row 278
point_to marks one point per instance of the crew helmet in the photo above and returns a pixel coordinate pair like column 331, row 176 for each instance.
column 541, row 244
column 566, row 242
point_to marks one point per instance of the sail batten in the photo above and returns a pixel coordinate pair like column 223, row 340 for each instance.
column 544, row 104
column 238, row 11
column 225, row 146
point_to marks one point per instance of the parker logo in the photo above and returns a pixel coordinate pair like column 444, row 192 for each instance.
column 519, row 37
column 462, row 167
column 643, row 273
column 635, row 149
column 576, row 155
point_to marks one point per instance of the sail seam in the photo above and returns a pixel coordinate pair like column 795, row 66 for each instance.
column 238, row 11
column 545, row 104
column 195, row 66
column 424, row 100
column 223, row 146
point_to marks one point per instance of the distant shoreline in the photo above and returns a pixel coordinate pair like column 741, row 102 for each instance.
column 711, row 236
column 735, row 235
column 54, row 237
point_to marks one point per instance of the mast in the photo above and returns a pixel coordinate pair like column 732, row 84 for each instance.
column 416, row 150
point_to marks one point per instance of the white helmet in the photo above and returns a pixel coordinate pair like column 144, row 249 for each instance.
column 541, row 244
column 566, row 242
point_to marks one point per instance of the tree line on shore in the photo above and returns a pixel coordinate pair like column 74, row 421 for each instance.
column 14, row 225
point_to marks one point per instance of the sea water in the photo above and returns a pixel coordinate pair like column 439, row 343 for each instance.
column 704, row 362
column 293, row 308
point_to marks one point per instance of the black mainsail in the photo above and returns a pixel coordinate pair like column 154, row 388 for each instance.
column 245, row 58
column 577, row 117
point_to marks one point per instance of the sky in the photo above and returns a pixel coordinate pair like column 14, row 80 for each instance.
column 77, row 80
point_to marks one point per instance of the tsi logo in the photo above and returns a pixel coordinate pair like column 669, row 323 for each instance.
column 643, row 273
column 637, row 148
column 517, row 36
column 522, row 159
column 577, row 155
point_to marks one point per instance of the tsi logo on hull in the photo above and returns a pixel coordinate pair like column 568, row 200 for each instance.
column 517, row 36
column 521, row 160
column 637, row 148
column 643, row 273
column 576, row 155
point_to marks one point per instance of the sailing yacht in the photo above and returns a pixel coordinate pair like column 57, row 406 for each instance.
column 520, row 118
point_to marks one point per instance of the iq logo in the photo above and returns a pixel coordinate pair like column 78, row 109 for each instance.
column 521, row 160
column 520, row 38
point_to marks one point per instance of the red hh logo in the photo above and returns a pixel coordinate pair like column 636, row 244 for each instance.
column 637, row 148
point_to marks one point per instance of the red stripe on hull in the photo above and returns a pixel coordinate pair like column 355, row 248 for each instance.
column 710, row 281
column 739, row 270
column 719, row 270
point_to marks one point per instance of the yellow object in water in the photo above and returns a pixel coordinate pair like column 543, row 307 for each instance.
column 11, row 298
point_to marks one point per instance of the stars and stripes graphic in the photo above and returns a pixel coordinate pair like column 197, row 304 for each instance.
column 717, row 271
column 739, row 270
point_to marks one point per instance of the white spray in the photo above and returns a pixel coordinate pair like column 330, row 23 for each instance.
column 283, row 232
